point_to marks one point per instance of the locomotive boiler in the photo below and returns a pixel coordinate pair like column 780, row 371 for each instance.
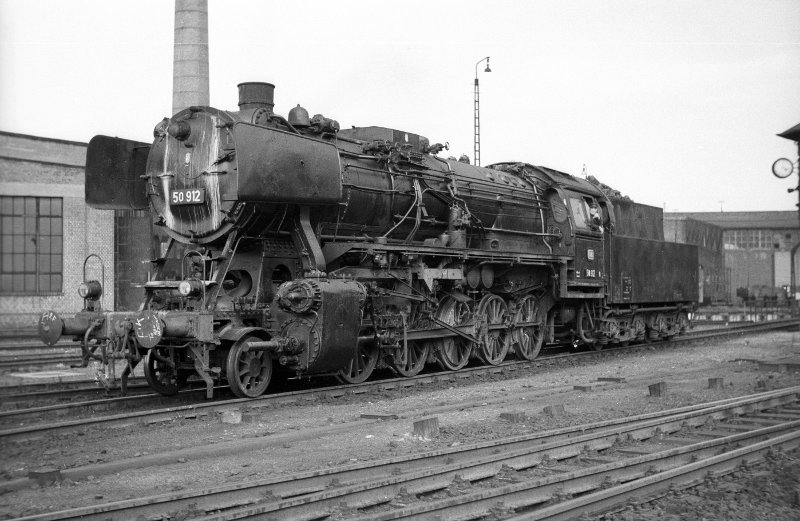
column 332, row 251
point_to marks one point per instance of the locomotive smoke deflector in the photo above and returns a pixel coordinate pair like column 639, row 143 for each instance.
column 114, row 169
column 301, row 170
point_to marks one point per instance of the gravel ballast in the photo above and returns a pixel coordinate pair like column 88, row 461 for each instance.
column 287, row 439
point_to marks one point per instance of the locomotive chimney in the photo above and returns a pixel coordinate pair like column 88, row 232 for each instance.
column 256, row 95
column 190, row 55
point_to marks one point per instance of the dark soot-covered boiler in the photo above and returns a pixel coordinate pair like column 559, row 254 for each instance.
column 336, row 251
column 209, row 171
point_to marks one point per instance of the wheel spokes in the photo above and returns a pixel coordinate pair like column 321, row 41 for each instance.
column 528, row 329
column 361, row 366
column 248, row 372
column 494, row 341
column 453, row 352
column 159, row 375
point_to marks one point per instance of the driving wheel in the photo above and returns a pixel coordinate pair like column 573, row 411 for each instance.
column 360, row 368
column 494, row 337
column 527, row 335
column 410, row 361
column 453, row 352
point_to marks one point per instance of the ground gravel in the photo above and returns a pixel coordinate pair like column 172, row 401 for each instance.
column 289, row 439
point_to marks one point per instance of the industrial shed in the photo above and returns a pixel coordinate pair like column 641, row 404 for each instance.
column 756, row 249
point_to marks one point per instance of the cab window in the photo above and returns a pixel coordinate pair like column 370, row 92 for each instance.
column 585, row 213
column 580, row 212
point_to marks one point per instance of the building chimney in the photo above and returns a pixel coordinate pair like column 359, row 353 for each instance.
column 190, row 59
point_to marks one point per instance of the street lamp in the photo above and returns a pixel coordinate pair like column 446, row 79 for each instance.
column 478, row 112
column 783, row 168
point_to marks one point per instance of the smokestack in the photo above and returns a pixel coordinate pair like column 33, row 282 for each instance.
column 190, row 60
column 254, row 95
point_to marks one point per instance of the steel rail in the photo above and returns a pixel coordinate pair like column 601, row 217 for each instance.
column 170, row 413
column 377, row 492
column 35, row 344
column 39, row 360
column 684, row 476
column 61, row 389
column 310, row 494
column 635, row 472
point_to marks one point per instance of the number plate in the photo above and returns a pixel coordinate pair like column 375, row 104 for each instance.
column 188, row 196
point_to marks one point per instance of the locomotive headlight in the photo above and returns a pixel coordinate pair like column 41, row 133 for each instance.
column 190, row 288
column 180, row 130
column 90, row 290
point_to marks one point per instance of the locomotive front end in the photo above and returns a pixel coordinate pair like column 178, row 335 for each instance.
column 224, row 189
column 210, row 171
column 190, row 175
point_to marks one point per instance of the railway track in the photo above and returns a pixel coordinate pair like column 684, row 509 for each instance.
column 60, row 389
column 35, row 344
column 68, row 353
column 33, row 353
column 563, row 474
column 44, row 356
column 96, row 411
column 40, row 360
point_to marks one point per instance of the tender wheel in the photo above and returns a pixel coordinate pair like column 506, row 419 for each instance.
column 360, row 368
column 639, row 329
column 453, row 352
column 528, row 332
column 659, row 327
column 682, row 322
column 248, row 372
column 162, row 378
column 495, row 340
column 411, row 361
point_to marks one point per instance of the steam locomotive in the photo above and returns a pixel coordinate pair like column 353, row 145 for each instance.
column 334, row 251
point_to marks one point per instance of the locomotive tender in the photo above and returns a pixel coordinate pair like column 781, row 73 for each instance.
column 336, row 251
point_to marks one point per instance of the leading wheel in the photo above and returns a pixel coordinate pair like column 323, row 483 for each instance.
column 160, row 375
column 360, row 368
column 248, row 372
column 453, row 352
column 527, row 335
column 409, row 362
column 495, row 340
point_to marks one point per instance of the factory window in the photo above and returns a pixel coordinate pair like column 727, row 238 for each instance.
column 31, row 245
column 747, row 239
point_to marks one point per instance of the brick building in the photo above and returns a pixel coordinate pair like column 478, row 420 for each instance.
column 757, row 250
column 47, row 231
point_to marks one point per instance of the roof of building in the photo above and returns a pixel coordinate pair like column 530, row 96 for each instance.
column 743, row 220
column 23, row 147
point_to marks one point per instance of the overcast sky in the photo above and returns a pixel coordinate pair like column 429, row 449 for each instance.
column 675, row 103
